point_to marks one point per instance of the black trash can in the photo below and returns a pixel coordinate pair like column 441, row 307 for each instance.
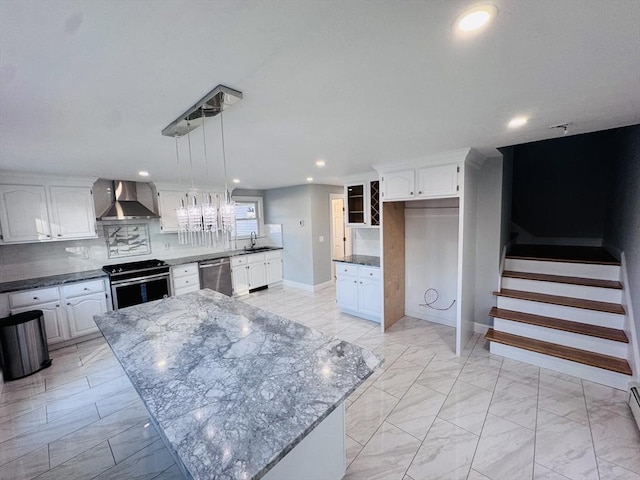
column 23, row 344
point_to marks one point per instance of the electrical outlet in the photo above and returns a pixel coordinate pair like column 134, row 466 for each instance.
column 321, row 239
column 301, row 223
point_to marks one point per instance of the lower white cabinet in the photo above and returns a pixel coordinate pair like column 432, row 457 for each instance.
column 185, row 279
column 358, row 290
column 67, row 310
column 255, row 270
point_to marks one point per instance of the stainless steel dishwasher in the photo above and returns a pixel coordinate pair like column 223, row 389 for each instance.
column 216, row 275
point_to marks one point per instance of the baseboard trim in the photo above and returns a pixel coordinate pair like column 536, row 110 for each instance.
column 481, row 328
column 307, row 287
column 429, row 318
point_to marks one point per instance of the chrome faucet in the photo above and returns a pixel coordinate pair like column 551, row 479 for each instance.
column 254, row 239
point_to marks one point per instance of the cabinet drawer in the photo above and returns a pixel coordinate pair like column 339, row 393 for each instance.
column 83, row 288
column 239, row 260
column 369, row 272
column 184, row 270
column 33, row 297
column 346, row 269
column 256, row 258
column 190, row 281
column 273, row 254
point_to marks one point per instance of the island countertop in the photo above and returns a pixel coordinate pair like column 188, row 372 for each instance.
column 232, row 388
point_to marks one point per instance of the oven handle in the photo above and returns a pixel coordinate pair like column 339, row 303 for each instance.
column 135, row 281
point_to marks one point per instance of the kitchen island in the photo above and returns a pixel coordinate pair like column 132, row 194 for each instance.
column 237, row 392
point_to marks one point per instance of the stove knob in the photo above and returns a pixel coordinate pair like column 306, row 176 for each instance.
column 120, row 269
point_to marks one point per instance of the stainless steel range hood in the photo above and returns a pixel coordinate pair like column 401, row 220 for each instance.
column 125, row 205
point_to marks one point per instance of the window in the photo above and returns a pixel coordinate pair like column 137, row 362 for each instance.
column 248, row 216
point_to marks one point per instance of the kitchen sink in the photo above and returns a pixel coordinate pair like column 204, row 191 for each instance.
column 257, row 249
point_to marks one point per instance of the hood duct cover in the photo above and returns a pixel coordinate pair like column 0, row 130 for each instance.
column 125, row 204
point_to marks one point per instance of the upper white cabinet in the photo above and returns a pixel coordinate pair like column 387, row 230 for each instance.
column 362, row 201
column 72, row 212
column 37, row 209
column 168, row 202
column 23, row 213
column 423, row 182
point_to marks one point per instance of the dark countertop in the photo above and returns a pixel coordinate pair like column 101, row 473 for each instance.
column 232, row 388
column 64, row 278
column 50, row 281
column 367, row 260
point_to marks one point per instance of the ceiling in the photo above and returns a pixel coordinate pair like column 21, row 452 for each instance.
column 87, row 87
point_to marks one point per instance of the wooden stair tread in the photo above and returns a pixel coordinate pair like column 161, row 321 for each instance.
column 543, row 277
column 564, row 301
column 592, row 359
column 562, row 253
column 559, row 324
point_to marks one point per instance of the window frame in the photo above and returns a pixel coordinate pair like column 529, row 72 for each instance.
column 258, row 201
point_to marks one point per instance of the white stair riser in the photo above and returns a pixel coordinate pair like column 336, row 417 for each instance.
column 592, row 317
column 598, row 294
column 560, row 337
column 593, row 374
column 585, row 270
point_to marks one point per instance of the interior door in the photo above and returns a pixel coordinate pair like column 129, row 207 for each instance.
column 338, row 245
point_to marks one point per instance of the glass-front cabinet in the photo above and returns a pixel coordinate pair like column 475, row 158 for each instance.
column 363, row 203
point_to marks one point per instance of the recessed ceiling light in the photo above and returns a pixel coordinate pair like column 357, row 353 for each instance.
column 143, row 173
column 309, row 179
column 517, row 122
column 476, row 18
column 320, row 163
column 236, row 180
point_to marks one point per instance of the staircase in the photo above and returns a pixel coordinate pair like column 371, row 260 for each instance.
column 559, row 308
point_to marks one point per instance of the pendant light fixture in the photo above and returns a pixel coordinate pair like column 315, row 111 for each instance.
column 202, row 223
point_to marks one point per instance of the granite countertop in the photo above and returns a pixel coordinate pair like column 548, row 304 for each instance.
column 367, row 260
column 50, row 281
column 231, row 387
column 61, row 279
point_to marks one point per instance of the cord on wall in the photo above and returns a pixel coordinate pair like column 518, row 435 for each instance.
column 429, row 304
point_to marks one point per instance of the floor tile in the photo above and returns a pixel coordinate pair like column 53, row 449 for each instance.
column 616, row 438
column 440, row 374
column 171, row 473
column 353, row 449
column 95, row 460
column 445, row 454
column 505, row 450
column 544, row 473
column 563, row 397
column 367, row 413
column 565, row 447
column 386, row 455
column 609, row 471
column 144, row 464
column 26, row 467
column 466, row 406
column 397, row 379
column 135, row 438
column 417, row 410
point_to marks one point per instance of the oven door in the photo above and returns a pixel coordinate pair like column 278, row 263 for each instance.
column 140, row 290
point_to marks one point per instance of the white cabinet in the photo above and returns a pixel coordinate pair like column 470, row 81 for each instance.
column 80, row 312
column 274, row 266
column 72, row 212
column 54, row 321
column 67, row 310
column 255, row 270
column 35, row 213
column 358, row 290
column 185, row 278
column 168, row 202
column 362, row 203
column 23, row 213
column 424, row 182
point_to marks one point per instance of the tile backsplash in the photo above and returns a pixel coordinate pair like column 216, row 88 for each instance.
column 30, row 260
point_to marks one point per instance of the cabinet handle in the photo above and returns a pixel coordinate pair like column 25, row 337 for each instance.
column 360, row 283
column 371, row 274
column 420, row 192
column 355, row 281
column 35, row 298
column 48, row 236
column 68, row 303
column 345, row 269
column 410, row 193
column 86, row 288
column 186, row 281
column 58, row 306
column 59, row 235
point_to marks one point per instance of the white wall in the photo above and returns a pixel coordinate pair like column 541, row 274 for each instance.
column 321, row 230
column 488, row 236
column 365, row 241
column 431, row 251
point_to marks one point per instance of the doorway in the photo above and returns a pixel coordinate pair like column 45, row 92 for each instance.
column 340, row 235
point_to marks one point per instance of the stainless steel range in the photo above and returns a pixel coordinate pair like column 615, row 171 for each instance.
column 138, row 282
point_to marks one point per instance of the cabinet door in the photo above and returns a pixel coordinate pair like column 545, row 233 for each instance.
column 23, row 213
column 168, row 202
column 374, row 203
column 53, row 320
column 369, row 302
column 347, row 292
column 72, row 213
column 398, row 185
column 438, row 181
column 257, row 274
column 356, row 204
column 240, row 277
column 274, row 270
column 80, row 312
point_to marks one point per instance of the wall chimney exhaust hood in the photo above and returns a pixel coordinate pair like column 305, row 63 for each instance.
column 125, row 204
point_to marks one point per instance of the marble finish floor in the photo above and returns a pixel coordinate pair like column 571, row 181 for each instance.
column 426, row 414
